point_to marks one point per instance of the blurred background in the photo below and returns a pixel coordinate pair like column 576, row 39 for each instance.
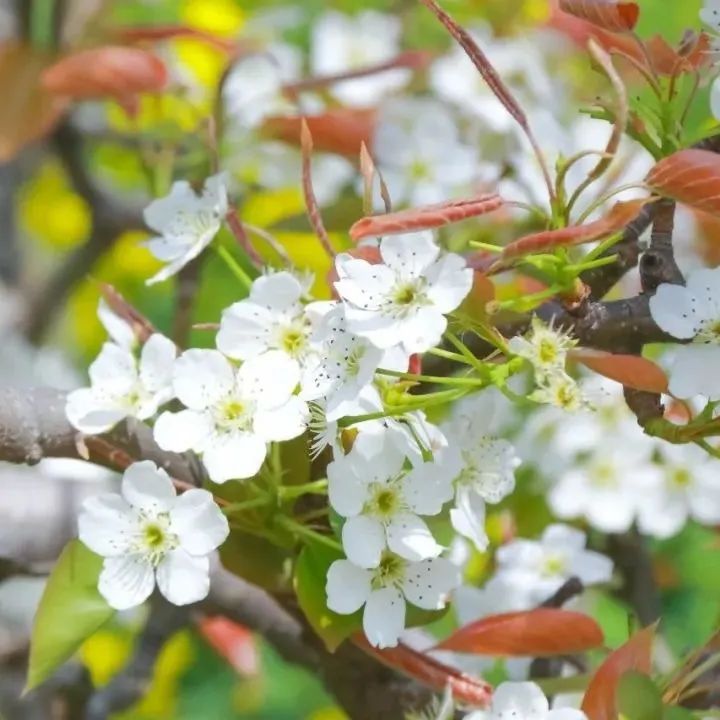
column 76, row 172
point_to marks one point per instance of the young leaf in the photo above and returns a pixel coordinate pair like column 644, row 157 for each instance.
column 29, row 111
column 632, row 371
column 538, row 632
column 426, row 217
column 689, row 176
column 429, row 672
column 600, row 702
column 607, row 14
column 107, row 72
column 71, row 610
column 310, row 578
column 638, row 697
column 232, row 641
column 619, row 216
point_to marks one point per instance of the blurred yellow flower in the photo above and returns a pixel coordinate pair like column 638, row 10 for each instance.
column 220, row 17
column 51, row 212
column 105, row 653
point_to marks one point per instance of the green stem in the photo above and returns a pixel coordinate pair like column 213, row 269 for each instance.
column 439, row 352
column 318, row 487
column 307, row 534
column 246, row 505
column 234, row 266
column 435, row 379
column 465, row 351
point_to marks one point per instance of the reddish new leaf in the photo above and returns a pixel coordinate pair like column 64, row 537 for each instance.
column 619, row 216
column 430, row 672
column 232, row 641
column 600, row 702
column 115, row 72
column 29, row 111
column 607, row 14
column 426, row 217
column 632, row 371
column 538, row 632
column 340, row 130
column 689, row 176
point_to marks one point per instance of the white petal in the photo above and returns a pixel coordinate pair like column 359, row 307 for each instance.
column 91, row 414
column 282, row 423
column 526, row 554
column 168, row 249
column 202, row 377
column 694, row 372
column 278, row 291
column 450, row 281
column 181, row 431
column 269, row 379
column 126, row 581
column 468, row 517
column 591, row 567
column 423, row 330
column 119, row 331
column 148, row 488
column 346, row 492
column 182, row 578
column 566, row 714
column 427, row 584
column 426, row 489
column 114, row 369
column 244, row 330
column 410, row 537
column 704, row 284
column 671, row 308
column 156, row 362
column 409, row 254
column 198, row 522
column 347, row 587
column 105, row 524
column 234, row 456
column 384, row 617
column 563, row 537
column 363, row 540
column 523, row 699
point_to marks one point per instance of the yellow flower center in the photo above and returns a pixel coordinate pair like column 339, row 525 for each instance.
column 389, row 572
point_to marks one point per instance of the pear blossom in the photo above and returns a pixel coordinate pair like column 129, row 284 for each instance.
column 523, row 701
column 418, row 148
column 542, row 566
column 343, row 43
column 603, row 488
column 120, row 332
column 692, row 312
column 685, row 487
column 382, row 502
column 344, row 364
column 272, row 317
column 545, row 348
column 384, row 590
column 404, row 299
column 122, row 386
column 186, row 223
column 231, row 414
column 147, row 534
column 562, row 391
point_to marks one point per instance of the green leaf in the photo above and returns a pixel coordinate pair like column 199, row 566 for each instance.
column 256, row 560
column 638, row 697
column 71, row 610
column 310, row 577
column 677, row 713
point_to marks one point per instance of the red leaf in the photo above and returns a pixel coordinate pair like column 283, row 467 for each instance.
column 689, row 176
column 538, row 632
column 631, row 370
column 232, row 641
column 619, row 216
column 430, row 672
column 340, row 130
column 426, row 217
column 599, row 702
column 29, row 111
column 607, row 14
column 107, row 72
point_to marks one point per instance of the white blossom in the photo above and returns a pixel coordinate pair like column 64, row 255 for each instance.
column 185, row 222
column 562, row 391
column 418, row 148
column 382, row 502
column 148, row 534
column 272, row 317
column 342, row 43
column 685, row 487
column 692, row 312
column 384, row 590
column 403, row 300
column 232, row 413
column 523, row 701
column 544, row 348
column 121, row 386
column 120, row 332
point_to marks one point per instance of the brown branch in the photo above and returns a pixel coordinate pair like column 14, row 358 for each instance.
column 657, row 264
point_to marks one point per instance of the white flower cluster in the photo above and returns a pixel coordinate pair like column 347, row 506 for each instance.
column 523, row 701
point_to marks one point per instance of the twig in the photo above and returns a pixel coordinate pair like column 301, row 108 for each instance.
column 188, row 281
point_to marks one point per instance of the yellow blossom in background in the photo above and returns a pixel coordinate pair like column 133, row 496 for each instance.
column 220, row 17
column 167, row 113
column 51, row 212
column 106, row 653
column 268, row 208
column 329, row 713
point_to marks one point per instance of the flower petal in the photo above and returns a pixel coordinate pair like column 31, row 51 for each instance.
column 182, row 578
column 234, row 456
column 244, row 330
column 363, row 540
column 450, row 281
column 427, row 584
column 347, row 493
column 410, row 537
column 524, row 699
column 282, row 423
column 156, row 362
column 694, row 372
column 409, row 254
column 126, row 581
column 105, row 524
column 114, row 369
column 181, row 431
column 148, row 488
column 91, row 414
column 269, row 379
column 468, row 517
column 279, row 291
column 672, row 309
column 426, row 489
column 202, row 377
column 384, row 617
column 198, row 522
column 347, row 587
